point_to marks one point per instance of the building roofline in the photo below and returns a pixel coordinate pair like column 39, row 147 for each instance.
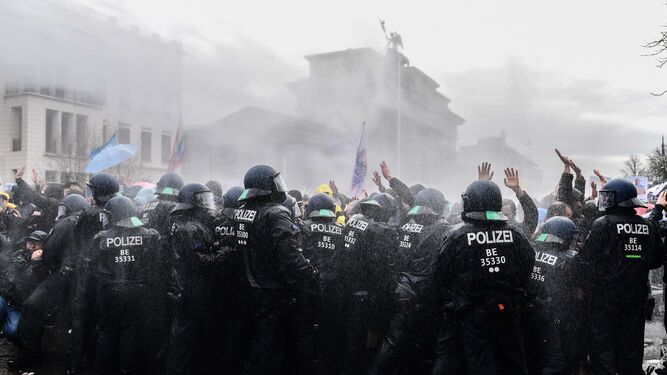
column 349, row 51
column 55, row 98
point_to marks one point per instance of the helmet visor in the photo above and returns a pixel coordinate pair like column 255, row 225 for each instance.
column 606, row 199
column 296, row 211
column 279, row 183
column 205, row 199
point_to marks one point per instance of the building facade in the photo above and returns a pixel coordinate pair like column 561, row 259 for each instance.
column 408, row 124
column 70, row 78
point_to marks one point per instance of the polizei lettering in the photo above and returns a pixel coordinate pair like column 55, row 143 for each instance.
column 412, row 227
column 358, row 224
column 245, row 215
column 326, row 228
column 632, row 229
column 125, row 241
column 545, row 258
column 490, row 237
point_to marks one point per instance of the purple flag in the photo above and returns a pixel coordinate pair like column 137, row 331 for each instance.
column 360, row 165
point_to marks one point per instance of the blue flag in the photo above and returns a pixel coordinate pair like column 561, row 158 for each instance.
column 113, row 140
column 360, row 165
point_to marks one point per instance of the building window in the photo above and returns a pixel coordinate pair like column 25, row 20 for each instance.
column 146, row 145
column 166, row 148
column 17, row 126
column 67, row 134
column 124, row 134
column 82, row 135
column 51, row 132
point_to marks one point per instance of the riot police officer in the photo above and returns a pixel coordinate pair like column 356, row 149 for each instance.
column 60, row 256
column 371, row 241
column 91, row 221
column 282, row 280
column 619, row 252
column 323, row 246
column 554, row 312
column 194, row 279
column 155, row 214
column 482, row 271
column 419, row 243
column 124, row 264
column 234, row 303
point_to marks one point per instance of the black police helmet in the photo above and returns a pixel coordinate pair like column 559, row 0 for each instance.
column 195, row 195
column 132, row 191
column 429, row 198
column 72, row 203
column 482, row 200
column 321, row 205
column 104, row 186
column 263, row 181
column 231, row 197
column 618, row 193
column 558, row 229
column 416, row 188
column 122, row 212
column 169, row 184
column 381, row 207
column 38, row 236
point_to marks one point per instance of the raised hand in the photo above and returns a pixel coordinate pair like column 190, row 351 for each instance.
column 35, row 177
column 603, row 180
column 385, row 170
column 20, row 173
column 594, row 190
column 484, row 171
column 377, row 180
column 565, row 160
column 512, row 180
column 662, row 199
column 332, row 185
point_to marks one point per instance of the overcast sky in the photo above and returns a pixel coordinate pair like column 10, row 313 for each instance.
column 565, row 74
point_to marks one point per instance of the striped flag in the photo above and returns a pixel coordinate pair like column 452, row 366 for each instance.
column 178, row 151
column 360, row 165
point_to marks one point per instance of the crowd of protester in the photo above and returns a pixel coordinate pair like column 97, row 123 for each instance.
column 190, row 278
